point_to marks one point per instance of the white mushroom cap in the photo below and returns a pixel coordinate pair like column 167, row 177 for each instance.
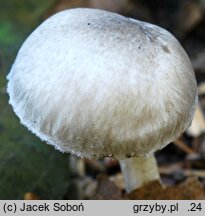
column 95, row 83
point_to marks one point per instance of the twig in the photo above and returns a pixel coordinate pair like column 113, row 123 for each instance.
column 168, row 170
column 184, row 147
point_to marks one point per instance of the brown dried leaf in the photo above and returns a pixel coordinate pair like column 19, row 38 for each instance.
column 147, row 192
column 191, row 189
column 31, row 196
column 106, row 189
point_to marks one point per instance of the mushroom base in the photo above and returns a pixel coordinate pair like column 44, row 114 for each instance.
column 139, row 171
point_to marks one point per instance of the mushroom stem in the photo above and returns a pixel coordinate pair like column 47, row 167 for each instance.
column 139, row 171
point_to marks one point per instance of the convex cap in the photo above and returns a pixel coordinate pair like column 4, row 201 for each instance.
column 95, row 83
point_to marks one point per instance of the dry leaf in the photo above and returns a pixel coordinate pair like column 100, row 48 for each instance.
column 118, row 179
column 106, row 189
column 191, row 189
column 31, row 196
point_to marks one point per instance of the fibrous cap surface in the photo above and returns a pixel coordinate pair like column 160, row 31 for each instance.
column 97, row 84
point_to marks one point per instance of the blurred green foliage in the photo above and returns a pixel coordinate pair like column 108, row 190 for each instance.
column 26, row 164
column 18, row 18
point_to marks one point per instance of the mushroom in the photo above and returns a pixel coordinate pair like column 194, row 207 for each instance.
column 98, row 84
